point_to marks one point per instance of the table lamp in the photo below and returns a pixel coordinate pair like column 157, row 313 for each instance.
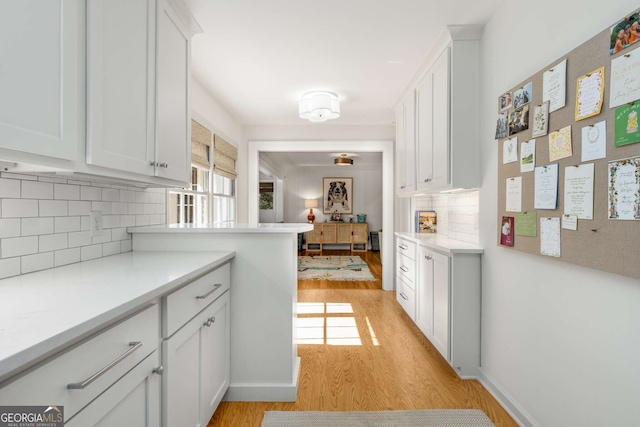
column 311, row 203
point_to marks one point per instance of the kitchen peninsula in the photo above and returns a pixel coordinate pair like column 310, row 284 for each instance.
column 264, row 355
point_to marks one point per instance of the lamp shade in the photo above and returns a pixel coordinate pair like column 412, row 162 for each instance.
column 318, row 107
column 311, row 203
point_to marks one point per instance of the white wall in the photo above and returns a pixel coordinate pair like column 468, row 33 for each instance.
column 206, row 110
column 306, row 183
column 561, row 340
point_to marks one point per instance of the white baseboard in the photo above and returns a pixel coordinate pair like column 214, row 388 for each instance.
column 265, row 392
column 509, row 404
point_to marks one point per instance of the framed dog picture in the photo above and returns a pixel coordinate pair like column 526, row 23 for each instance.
column 338, row 195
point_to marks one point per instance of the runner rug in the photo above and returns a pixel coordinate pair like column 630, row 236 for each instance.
column 333, row 268
column 422, row 418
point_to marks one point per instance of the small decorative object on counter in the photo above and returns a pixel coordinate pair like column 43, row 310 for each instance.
column 362, row 218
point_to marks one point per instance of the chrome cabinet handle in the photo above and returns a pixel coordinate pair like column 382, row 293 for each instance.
column 403, row 268
column 404, row 248
column 159, row 370
column 154, row 164
column 404, row 296
column 210, row 321
column 215, row 288
column 84, row 384
column 164, row 165
column 428, row 257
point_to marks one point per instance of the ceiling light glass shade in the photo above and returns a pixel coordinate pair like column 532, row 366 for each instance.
column 318, row 107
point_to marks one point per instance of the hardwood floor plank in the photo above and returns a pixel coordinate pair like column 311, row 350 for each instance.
column 392, row 367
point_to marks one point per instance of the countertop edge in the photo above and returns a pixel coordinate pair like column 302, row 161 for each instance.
column 451, row 247
column 31, row 356
column 301, row 228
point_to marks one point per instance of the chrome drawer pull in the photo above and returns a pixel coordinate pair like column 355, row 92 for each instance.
column 403, row 247
column 428, row 257
column 403, row 268
column 215, row 288
column 404, row 296
column 159, row 370
column 210, row 321
column 80, row 386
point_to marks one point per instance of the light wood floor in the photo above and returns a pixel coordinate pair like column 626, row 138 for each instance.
column 369, row 356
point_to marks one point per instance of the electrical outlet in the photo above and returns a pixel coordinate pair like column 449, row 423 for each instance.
column 95, row 223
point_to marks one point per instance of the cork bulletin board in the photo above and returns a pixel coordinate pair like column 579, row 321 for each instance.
column 611, row 245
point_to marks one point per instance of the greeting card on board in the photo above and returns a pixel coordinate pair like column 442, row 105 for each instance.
column 589, row 94
column 540, row 119
column 626, row 124
column 578, row 190
column 560, row 144
column 510, row 150
column 526, row 223
column 624, row 189
column 594, row 141
column 625, row 79
column 528, row 156
column 554, row 86
column 550, row 237
column 545, row 188
column 506, row 231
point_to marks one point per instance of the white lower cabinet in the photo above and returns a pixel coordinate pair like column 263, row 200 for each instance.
column 447, row 306
column 107, row 380
column 196, row 358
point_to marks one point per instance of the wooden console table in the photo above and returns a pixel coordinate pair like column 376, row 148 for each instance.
column 324, row 233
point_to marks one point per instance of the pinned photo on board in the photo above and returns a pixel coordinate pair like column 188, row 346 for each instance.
column 505, row 101
column 624, row 33
column 501, row 126
column 519, row 120
column 522, row 96
column 540, row 119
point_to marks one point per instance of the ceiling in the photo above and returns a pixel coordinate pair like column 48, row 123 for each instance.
column 311, row 159
column 258, row 57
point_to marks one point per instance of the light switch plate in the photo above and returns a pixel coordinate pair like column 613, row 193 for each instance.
column 95, row 223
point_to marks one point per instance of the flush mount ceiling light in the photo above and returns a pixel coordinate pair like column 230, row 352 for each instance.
column 343, row 160
column 319, row 106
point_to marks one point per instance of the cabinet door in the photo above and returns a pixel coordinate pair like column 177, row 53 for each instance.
column 401, row 154
column 343, row 233
column 424, row 291
column 196, row 362
column 314, row 236
column 133, row 401
column 360, row 233
column 215, row 358
column 40, row 104
column 329, row 233
column 120, row 84
column 424, row 132
column 410, row 142
column 441, row 298
column 173, row 146
column 441, row 107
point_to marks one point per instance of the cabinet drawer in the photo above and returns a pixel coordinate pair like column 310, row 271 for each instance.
column 406, row 269
column 183, row 304
column 407, row 248
column 406, row 297
column 113, row 347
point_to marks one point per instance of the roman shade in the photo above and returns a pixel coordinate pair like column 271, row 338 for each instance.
column 266, row 187
column 224, row 158
column 200, row 143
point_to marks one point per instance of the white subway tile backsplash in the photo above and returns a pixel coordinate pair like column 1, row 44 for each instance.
column 90, row 252
column 9, row 188
column 456, row 214
column 19, row 246
column 18, row 208
column 79, row 208
column 36, row 226
column 110, row 195
column 67, row 224
column 37, row 190
column 9, row 267
column 66, row 256
column 66, row 192
column 110, row 248
column 44, row 220
column 80, row 238
column 104, row 207
column 52, row 242
column 90, row 193
column 53, row 207
column 9, row 228
column 36, row 262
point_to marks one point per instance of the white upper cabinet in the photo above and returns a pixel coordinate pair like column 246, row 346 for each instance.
column 445, row 117
column 137, row 83
column 39, row 77
column 173, row 147
column 120, row 84
column 405, row 145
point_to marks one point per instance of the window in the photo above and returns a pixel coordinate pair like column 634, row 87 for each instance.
column 211, row 197
column 265, row 200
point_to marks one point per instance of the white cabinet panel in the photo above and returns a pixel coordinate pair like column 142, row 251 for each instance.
column 120, row 84
column 441, row 84
column 405, row 146
column 441, row 304
column 39, row 54
column 424, row 131
column 424, row 292
column 173, row 149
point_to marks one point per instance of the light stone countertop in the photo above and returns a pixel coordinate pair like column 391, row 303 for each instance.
column 225, row 228
column 43, row 312
column 442, row 243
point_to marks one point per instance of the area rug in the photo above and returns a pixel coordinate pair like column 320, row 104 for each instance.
column 422, row 418
column 333, row 268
